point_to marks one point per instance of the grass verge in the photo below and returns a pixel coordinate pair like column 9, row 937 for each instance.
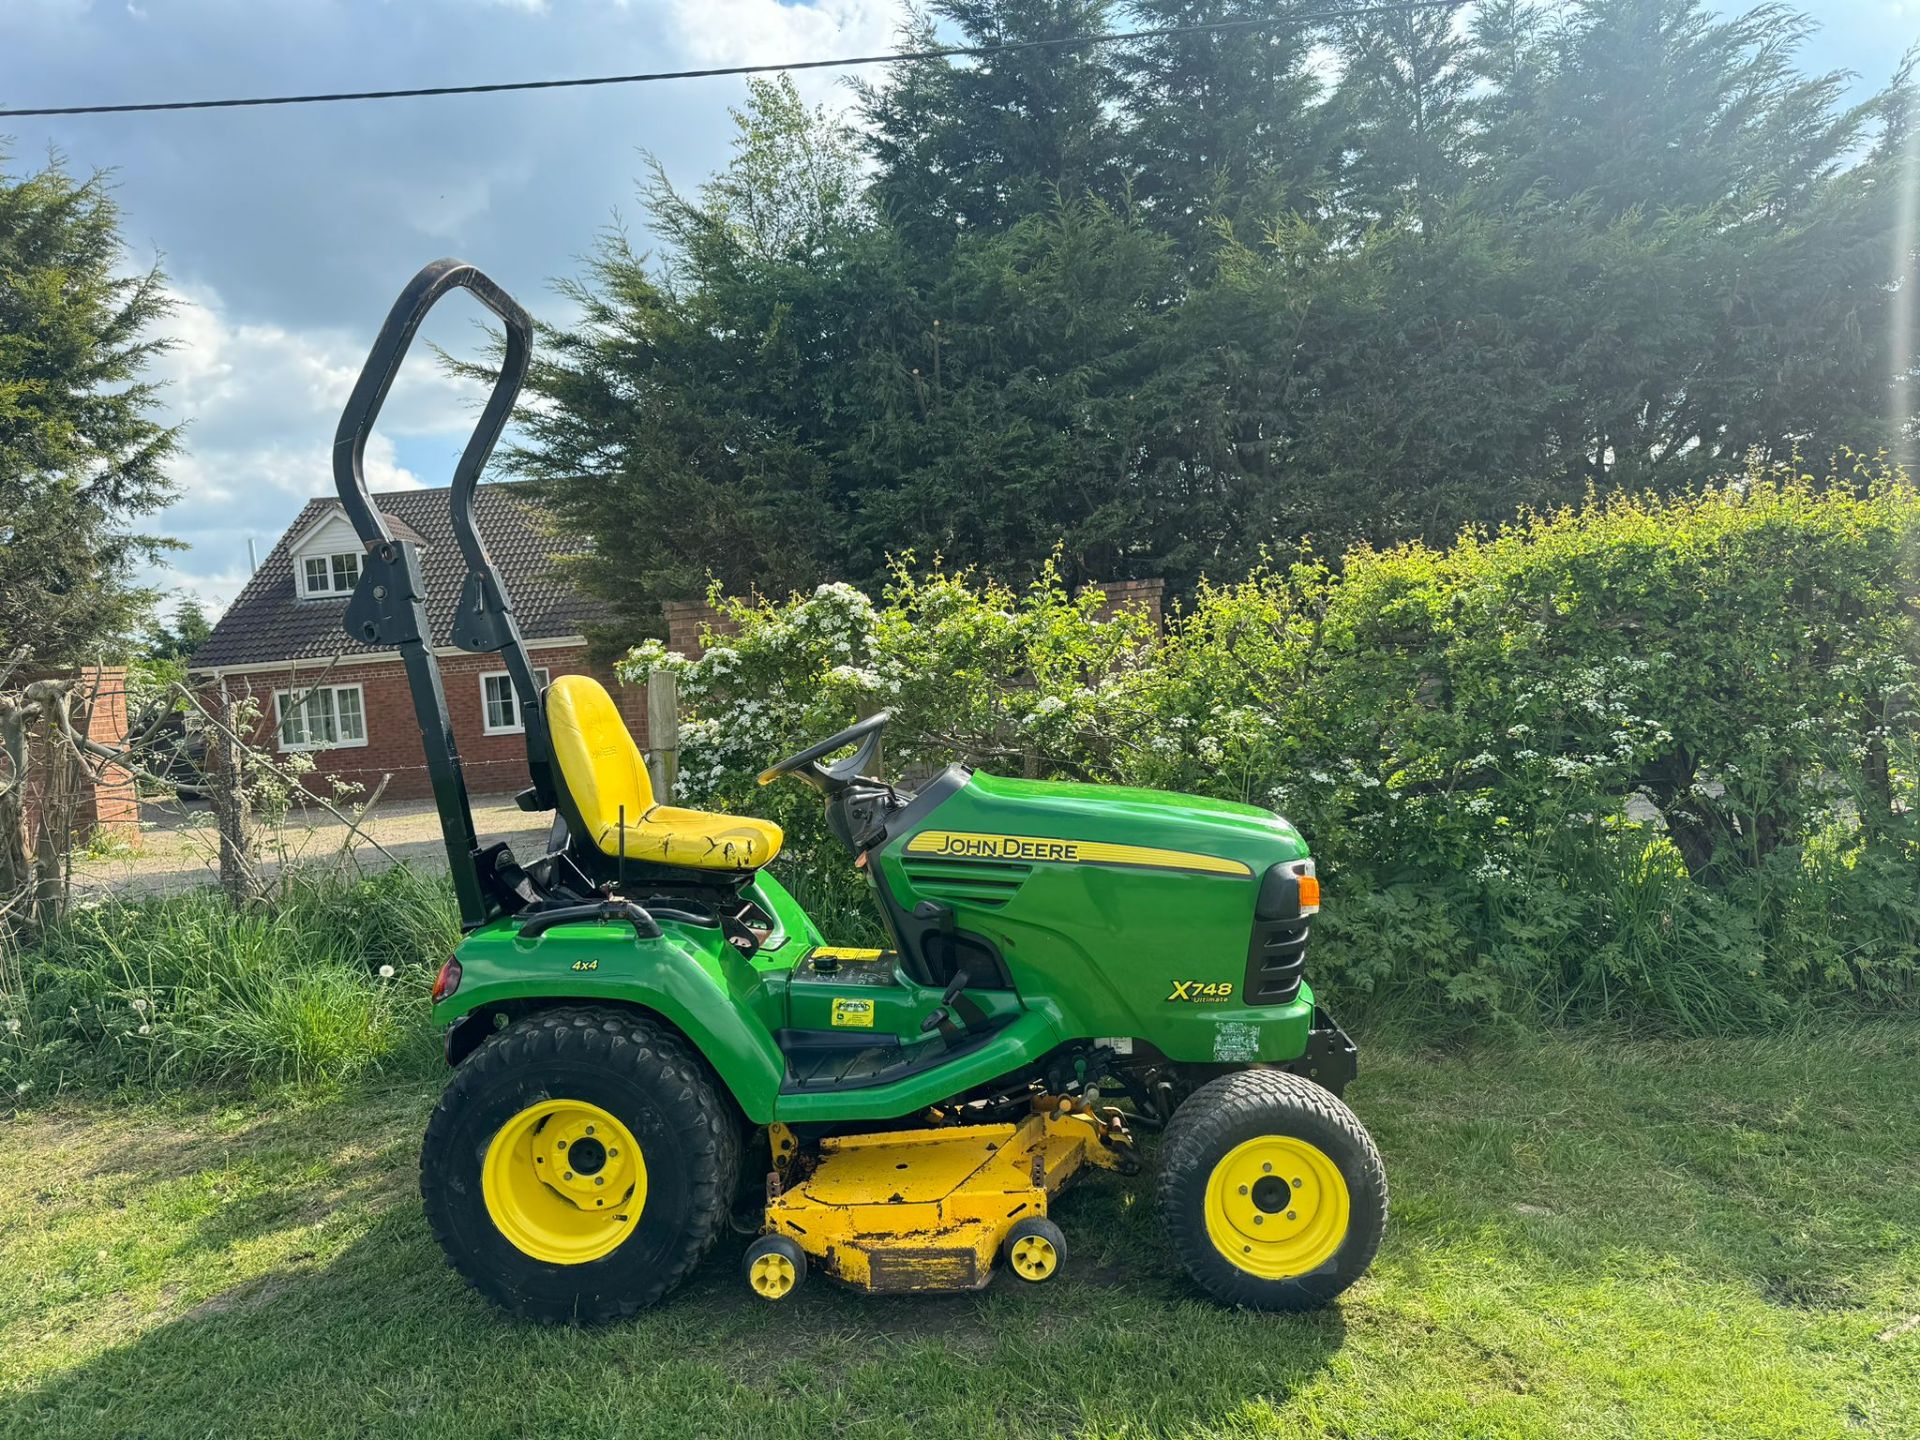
column 1710, row 1238
column 327, row 982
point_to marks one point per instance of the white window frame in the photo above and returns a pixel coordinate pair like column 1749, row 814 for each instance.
column 282, row 697
column 541, row 678
column 332, row 590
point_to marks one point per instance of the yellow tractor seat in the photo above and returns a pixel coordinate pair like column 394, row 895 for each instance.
column 603, row 772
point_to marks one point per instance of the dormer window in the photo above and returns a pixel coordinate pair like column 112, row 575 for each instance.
column 322, row 576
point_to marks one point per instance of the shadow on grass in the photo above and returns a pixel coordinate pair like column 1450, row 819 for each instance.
column 1785, row 1175
column 374, row 1335
column 382, row 1339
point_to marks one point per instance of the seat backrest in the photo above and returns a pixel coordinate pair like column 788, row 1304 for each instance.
column 599, row 763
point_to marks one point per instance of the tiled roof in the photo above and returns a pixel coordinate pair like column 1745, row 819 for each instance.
column 269, row 622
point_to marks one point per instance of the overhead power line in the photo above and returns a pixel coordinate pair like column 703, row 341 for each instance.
column 1062, row 42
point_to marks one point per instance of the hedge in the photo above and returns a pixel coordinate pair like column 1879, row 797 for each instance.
column 1646, row 759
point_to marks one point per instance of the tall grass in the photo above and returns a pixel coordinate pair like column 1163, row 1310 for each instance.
column 328, row 981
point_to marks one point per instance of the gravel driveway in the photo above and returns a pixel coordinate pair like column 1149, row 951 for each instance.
column 178, row 846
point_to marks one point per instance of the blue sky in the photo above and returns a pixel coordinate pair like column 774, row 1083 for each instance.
column 286, row 232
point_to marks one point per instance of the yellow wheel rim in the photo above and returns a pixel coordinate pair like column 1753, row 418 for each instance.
column 564, row 1181
column 1033, row 1257
column 773, row 1277
column 1277, row 1207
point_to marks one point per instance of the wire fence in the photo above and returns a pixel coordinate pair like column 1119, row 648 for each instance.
column 83, row 753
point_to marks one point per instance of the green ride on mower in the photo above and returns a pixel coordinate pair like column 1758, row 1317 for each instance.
column 650, row 1039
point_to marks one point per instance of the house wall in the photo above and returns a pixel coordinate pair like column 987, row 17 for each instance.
column 494, row 764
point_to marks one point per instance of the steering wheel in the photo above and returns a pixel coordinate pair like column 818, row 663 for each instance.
column 829, row 778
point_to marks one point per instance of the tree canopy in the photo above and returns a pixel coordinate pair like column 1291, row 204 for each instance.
column 1164, row 305
column 82, row 459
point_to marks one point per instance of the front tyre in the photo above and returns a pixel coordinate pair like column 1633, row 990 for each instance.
column 1271, row 1191
column 579, row 1165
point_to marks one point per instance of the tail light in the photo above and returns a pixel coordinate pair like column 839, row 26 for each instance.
column 447, row 981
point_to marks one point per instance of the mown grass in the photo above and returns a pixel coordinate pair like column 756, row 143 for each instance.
column 1590, row 1238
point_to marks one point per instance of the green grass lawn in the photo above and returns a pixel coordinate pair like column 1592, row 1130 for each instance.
column 1588, row 1238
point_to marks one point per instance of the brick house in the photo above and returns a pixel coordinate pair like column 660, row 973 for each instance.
column 323, row 693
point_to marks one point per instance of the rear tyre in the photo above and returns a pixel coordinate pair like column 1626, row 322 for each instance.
column 579, row 1165
column 1271, row 1191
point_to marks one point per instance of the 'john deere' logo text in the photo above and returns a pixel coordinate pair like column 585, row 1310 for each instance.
column 1004, row 847
column 970, row 845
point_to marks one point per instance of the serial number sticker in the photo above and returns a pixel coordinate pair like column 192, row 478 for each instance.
column 1202, row 990
column 852, row 1013
column 1236, row 1040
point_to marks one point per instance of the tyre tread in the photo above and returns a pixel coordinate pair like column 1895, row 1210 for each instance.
column 1245, row 1099
column 617, row 1039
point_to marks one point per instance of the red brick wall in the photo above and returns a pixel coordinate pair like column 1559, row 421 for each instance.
column 494, row 764
column 687, row 618
column 1147, row 595
column 113, row 806
column 109, row 804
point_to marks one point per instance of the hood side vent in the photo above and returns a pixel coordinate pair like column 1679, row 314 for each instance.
column 969, row 882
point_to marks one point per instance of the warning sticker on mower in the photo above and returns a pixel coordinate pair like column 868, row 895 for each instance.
column 1236, row 1040
column 853, row 1013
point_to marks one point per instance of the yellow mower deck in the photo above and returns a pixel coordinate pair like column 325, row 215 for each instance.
column 928, row 1209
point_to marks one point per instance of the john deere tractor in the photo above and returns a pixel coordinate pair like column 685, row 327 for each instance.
column 651, row 1040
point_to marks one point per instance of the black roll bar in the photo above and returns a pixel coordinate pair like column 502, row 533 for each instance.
column 388, row 607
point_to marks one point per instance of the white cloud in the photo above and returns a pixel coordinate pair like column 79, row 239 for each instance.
column 260, row 402
column 287, row 231
column 716, row 33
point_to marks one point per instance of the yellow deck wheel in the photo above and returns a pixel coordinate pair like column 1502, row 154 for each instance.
column 1035, row 1249
column 564, row 1181
column 775, row 1266
column 1277, row 1206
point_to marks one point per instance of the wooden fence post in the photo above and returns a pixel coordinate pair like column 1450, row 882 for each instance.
column 16, row 843
column 232, row 805
column 663, row 734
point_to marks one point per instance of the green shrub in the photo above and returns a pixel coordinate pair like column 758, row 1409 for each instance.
column 328, row 981
column 1647, row 759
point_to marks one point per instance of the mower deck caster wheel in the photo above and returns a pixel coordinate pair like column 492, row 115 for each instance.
column 775, row 1266
column 1035, row 1249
